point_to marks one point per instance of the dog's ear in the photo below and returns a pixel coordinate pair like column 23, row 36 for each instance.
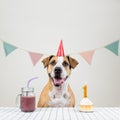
column 72, row 61
column 45, row 61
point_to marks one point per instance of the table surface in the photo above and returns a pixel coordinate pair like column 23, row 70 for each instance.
column 106, row 113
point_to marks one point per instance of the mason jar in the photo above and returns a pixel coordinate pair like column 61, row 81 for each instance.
column 27, row 99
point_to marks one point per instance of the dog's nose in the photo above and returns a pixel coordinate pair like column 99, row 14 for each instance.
column 58, row 70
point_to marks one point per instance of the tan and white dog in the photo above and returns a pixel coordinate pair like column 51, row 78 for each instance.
column 57, row 92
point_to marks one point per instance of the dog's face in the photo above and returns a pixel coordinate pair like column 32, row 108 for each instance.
column 59, row 68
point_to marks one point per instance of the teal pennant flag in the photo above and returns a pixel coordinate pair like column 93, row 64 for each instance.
column 8, row 48
column 113, row 47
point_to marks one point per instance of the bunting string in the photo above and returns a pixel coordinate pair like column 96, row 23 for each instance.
column 86, row 55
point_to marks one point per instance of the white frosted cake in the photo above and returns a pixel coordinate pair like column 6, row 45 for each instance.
column 86, row 105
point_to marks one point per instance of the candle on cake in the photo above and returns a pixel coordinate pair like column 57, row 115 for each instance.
column 86, row 104
column 85, row 91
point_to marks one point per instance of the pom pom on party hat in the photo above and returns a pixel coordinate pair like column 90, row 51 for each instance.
column 60, row 51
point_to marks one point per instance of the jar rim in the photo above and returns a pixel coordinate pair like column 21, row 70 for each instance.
column 27, row 89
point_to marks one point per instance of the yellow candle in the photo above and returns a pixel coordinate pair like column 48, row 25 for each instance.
column 85, row 91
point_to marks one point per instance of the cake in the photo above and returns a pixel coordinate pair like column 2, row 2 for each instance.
column 86, row 105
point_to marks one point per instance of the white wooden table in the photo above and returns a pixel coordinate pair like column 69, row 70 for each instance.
column 12, row 113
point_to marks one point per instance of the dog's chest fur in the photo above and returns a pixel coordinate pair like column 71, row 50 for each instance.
column 59, row 97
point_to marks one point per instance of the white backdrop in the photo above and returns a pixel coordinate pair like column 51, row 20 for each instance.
column 38, row 26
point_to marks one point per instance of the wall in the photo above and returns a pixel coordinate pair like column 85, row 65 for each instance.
column 39, row 26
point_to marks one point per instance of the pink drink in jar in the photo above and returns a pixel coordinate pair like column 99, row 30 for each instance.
column 27, row 99
column 27, row 103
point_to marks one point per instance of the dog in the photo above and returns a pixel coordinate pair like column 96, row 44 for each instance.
column 57, row 92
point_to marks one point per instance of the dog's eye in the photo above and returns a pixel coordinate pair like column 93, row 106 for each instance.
column 53, row 62
column 65, row 64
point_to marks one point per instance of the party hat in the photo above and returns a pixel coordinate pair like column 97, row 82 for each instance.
column 60, row 51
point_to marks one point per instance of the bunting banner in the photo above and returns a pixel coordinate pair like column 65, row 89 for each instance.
column 8, row 48
column 86, row 55
column 35, row 57
column 113, row 47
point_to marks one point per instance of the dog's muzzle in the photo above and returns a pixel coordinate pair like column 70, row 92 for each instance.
column 58, row 79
